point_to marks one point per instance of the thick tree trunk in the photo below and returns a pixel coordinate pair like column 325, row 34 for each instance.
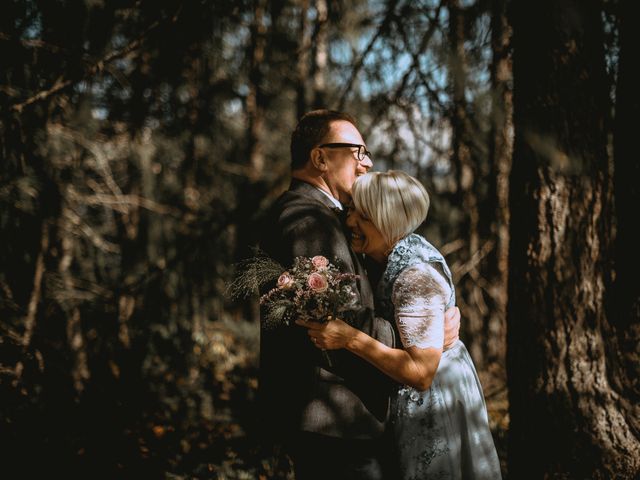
column 565, row 419
column 624, row 313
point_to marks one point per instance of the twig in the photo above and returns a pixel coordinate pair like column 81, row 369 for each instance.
column 389, row 15
column 7, row 371
column 415, row 66
column 475, row 259
column 120, row 202
column 10, row 333
column 94, row 148
column 30, row 319
column 136, row 200
column 451, row 247
column 89, row 232
column 34, row 43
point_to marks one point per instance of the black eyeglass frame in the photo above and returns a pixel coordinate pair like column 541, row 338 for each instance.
column 362, row 150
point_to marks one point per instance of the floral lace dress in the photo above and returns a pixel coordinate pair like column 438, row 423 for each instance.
column 442, row 433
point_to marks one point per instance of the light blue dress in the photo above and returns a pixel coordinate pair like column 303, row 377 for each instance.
column 442, row 433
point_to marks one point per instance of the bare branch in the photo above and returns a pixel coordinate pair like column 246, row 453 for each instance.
column 89, row 232
column 34, row 43
column 30, row 319
column 415, row 66
column 460, row 271
column 120, row 203
column 94, row 148
column 114, row 202
column 389, row 16
column 453, row 246
column 97, row 67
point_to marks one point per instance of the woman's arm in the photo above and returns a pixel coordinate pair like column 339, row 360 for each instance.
column 414, row 366
column 419, row 302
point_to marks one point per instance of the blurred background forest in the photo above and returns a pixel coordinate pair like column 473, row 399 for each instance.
column 141, row 140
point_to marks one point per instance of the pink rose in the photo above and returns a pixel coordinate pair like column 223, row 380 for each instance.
column 320, row 262
column 285, row 280
column 317, row 282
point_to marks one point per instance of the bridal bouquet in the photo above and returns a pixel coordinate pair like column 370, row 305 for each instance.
column 312, row 289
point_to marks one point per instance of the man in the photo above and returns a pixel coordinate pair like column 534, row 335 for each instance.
column 331, row 418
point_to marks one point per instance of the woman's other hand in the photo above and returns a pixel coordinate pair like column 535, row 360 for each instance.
column 451, row 327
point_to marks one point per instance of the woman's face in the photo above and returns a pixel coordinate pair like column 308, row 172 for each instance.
column 365, row 237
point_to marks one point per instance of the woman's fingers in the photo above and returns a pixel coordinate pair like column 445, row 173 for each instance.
column 323, row 335
column 318, row 339
column 310, row 325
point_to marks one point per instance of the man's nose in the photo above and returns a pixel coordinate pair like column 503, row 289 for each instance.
column 367, row 163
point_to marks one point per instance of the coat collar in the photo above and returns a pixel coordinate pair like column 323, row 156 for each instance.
column 309, row 190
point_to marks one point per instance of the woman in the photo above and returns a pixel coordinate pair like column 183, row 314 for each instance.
column 438, row 418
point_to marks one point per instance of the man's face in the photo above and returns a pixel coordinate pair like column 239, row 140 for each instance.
column 343, row 166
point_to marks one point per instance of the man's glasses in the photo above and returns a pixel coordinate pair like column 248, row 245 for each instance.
column 362, row 150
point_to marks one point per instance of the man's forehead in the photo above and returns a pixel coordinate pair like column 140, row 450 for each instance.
column 343, row 131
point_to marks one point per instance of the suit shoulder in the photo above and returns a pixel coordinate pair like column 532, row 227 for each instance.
column 296, row 210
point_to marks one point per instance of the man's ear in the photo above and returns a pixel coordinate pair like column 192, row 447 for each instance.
column 318, row 159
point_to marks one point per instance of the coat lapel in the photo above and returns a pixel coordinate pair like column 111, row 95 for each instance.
column 308, row 190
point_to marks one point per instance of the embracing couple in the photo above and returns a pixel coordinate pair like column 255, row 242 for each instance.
column 400, row 398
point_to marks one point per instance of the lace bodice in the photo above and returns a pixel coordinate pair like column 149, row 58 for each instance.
column 420, row 294
column 416, row 288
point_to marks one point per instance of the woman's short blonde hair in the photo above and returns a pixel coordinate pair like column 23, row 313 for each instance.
column 396, row 203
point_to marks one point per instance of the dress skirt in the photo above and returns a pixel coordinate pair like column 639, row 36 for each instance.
column 443, row 433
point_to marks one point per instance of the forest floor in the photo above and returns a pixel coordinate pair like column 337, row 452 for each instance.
column 221, row 443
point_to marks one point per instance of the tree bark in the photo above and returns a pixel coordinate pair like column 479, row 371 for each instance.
column 494, row 221
column 321, row 53
column 565, row 419
column 624, row 313
column 469, row 292
column 251, row 187
column 255, row 103
column 304, row 47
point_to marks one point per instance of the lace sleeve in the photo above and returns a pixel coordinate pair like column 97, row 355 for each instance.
column 419, row 299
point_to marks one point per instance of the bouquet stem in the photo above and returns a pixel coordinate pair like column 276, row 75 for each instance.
column 327, row 357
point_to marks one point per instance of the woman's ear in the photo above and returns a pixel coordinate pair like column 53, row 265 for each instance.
column 318, row 159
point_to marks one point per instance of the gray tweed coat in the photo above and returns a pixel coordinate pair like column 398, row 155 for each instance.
column 298, row 390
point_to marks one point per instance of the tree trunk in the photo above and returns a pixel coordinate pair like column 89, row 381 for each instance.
column 251, row 187
column 255, row 102
column 494, row 223
column 321, row 55
column 469, row 292
column 624, row 313
column 304, row 47
column 565, row 420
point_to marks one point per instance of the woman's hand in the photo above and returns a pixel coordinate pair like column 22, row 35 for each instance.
column 330, row 335
column 451, row 327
